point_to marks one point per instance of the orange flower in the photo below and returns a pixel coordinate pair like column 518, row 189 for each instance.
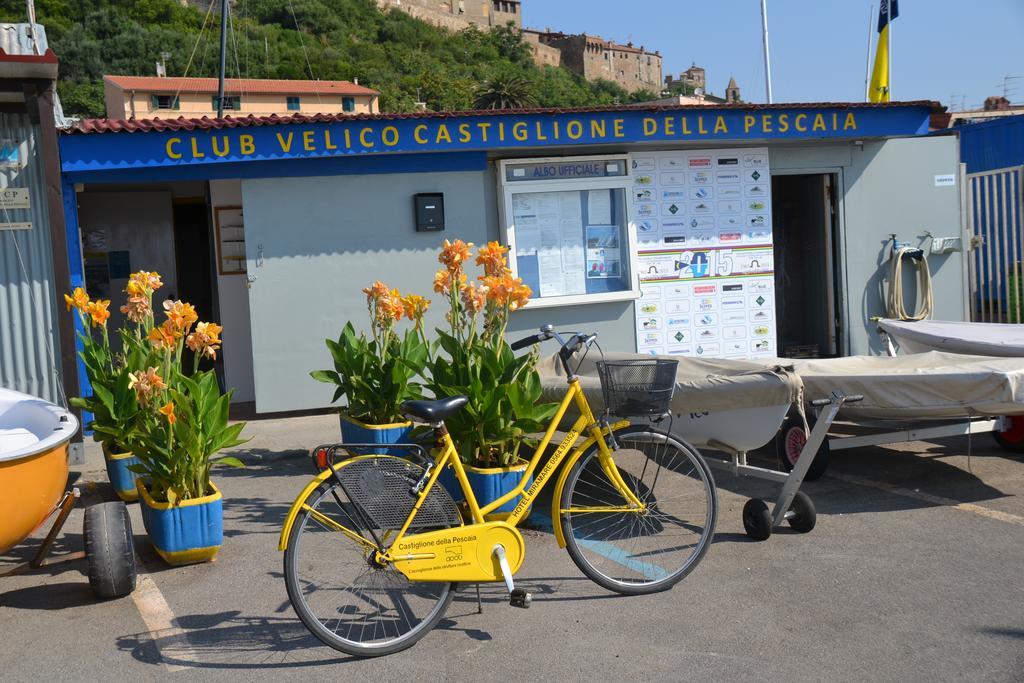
column 136, row 309
column 78, row 299
column 385, row 304
column 133, row 288
column 165, row 336
column 415, row 306
column 507, row 291
column 454, row 254
column 143, row 283
column 167, row 410
column 492, row 258
column 474, row 298
column 182, row 315
column 521, row 294
column 98, row 312
column 443, row 281
column 378, row 290
column 392, row 305
column 145, row 384
column 205, row 339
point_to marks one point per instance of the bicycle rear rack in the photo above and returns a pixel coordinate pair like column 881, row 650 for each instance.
column 326, row 455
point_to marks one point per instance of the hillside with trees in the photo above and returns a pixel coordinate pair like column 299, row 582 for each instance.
column 407, row 60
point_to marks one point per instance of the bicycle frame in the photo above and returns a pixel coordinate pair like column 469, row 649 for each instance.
column 449, row 456
column 585, row 422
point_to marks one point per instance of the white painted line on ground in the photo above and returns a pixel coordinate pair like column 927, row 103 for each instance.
column 170, row 641
column 929, row 498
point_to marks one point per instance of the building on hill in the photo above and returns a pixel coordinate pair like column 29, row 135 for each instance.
column 732, row 91
column 693, row 78
column 543, row 54
column 590, row 56
column 593, row 57
column 146, row 97
column 699, row 96
column 456, row 15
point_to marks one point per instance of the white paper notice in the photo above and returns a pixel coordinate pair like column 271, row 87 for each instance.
column 549, row 262
column 599, row 206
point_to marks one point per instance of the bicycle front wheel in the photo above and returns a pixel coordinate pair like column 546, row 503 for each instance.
column 343, row 596
column 630, row 551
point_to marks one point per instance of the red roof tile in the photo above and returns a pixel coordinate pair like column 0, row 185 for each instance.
column 87, row 126
column 238, row 85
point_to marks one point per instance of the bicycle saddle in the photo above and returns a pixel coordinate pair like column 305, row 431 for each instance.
column 434, row 411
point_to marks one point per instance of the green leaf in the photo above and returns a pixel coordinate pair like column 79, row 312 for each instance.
column 230, row 461
column 326, row 376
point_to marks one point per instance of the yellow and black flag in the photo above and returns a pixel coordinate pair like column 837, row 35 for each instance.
column 879, row 89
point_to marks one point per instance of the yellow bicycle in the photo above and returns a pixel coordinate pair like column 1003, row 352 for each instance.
column 374, row 546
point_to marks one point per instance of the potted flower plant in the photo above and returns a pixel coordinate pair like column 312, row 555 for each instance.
column 112, row 403
column 181, row 429
column 475, row 360
column 377, row 373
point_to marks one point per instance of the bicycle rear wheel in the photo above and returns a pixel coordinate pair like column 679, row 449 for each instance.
column 639, row 552
column 343, row 596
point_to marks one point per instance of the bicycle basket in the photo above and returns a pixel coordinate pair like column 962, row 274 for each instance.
column 638, row 387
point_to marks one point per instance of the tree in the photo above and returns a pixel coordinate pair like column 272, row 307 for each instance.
column 406, row 59
column 505, row 91
column 509, row 41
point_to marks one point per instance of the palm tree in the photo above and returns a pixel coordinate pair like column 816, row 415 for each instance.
column 505, row 91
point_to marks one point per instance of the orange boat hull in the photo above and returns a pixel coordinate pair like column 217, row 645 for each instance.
column 30, row 488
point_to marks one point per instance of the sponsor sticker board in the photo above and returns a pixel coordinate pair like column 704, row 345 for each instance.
column 705, row 253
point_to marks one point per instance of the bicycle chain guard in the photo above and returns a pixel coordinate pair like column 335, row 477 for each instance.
column 462, row 554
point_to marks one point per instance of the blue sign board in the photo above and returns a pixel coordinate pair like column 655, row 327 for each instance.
column 480, row 132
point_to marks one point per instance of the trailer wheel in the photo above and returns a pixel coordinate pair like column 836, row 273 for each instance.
column 1012, row 439
column 790, row 441
column 109, row 550
column 757, row 520
column 801, row 515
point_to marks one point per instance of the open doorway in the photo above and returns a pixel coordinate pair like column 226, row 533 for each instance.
column 193, row 264
column 806, row 282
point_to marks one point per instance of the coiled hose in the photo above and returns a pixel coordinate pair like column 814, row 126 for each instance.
column 894, row 302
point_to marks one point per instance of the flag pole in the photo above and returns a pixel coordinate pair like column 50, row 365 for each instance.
column 888, row 39
column 223, row 57
column 867, row 60
column 767, row 59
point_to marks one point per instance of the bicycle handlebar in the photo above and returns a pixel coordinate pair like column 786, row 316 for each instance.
column 528, row 341
column 574, row 343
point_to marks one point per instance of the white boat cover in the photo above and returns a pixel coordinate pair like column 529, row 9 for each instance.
column 702, row 384
column 976, row 339
column 30, row 425
column 928, row 385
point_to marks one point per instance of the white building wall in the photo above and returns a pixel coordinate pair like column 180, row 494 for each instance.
column 233, row 298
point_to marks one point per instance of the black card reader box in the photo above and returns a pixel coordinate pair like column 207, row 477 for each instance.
column 429, row 207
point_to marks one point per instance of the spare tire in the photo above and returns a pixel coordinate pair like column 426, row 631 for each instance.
column 789, row 442
column 109, row 550
column 1012, row 438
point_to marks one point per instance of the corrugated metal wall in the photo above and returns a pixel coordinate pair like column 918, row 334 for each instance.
column 992, row 145
column 28, row 308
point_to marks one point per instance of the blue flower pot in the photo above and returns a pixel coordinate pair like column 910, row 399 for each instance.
column 188, row 532
column 120, row 477
column 488, row 484
column 354, row 431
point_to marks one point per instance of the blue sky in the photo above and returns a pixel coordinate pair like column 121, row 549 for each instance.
column 941, row 48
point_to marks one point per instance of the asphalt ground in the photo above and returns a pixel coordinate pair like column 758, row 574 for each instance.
column 914, row 572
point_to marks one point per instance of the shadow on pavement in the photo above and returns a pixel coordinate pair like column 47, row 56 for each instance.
column 51, row 596
column 229, row 640
column 920, row 472
column 1015, row 633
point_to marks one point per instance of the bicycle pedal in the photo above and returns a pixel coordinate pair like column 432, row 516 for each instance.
column 520, row 597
